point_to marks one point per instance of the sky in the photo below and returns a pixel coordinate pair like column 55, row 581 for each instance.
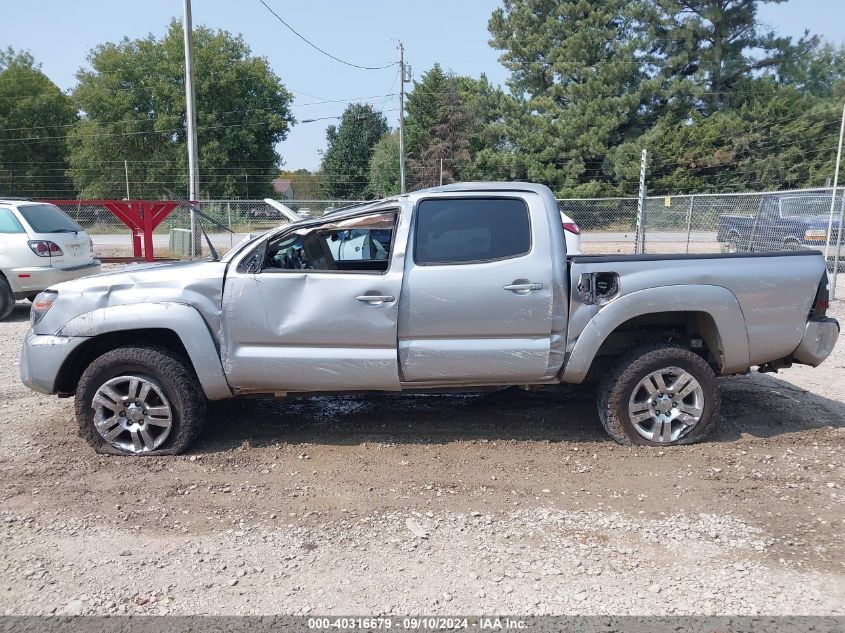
column 60, row 35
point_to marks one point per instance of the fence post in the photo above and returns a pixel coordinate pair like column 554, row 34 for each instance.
column 839, row 231
column 689, row 219
column 639, row 246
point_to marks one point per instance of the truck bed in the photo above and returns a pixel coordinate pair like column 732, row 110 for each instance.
column 760, row 300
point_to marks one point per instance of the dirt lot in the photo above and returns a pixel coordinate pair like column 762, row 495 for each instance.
column 319, row 506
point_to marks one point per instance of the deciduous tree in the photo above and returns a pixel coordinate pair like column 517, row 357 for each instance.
column 384, row 166
column 35, row 117
column 133, row 104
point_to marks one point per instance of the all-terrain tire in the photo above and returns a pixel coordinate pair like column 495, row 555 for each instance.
column 617, row 388
column 7, row 298
column 166, row 370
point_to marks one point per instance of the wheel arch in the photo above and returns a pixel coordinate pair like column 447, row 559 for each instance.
column 713, row 312
column 177, row 327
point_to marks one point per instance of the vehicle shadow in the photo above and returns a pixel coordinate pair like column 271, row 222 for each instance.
column 757, row 406
column 510, row 414
column 763, row 405
column 19, row 313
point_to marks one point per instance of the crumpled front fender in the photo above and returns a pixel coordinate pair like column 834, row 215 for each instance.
column 180, row 318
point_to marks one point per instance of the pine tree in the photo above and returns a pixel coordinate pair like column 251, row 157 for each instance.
column 579, row 89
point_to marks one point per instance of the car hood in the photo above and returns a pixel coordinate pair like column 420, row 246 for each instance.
column 198, row 284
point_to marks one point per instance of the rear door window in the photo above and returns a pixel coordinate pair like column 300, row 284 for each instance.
column 470, row 230
column 9, row 223
column 47, row 218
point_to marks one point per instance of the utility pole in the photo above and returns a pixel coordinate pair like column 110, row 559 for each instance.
column 833, row 192
column 401, row 118
column 834, row 277
column 126, row 172
column 191, row 117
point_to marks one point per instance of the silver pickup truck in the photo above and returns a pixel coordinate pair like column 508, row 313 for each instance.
column 466, row 286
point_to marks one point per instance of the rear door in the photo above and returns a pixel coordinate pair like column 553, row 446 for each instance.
column 320, row 311
column 476, row 305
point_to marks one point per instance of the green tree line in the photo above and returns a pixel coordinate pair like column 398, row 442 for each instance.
column 720, row 102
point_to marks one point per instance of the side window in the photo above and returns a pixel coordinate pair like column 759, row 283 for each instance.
column 458, row 231
column 9, row 223
column 352, row 244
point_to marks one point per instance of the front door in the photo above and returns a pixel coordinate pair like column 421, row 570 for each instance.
column 477, row 300
column 316, row 308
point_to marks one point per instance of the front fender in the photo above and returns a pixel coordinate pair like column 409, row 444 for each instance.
column 180, row 318
column 720, row 303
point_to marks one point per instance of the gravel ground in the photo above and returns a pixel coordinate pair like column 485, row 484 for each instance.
column 509, row 503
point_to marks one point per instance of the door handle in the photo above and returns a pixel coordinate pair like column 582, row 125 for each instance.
column 524, row 288
column 376, row 299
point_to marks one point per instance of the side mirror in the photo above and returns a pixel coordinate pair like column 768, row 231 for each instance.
column 251, row 263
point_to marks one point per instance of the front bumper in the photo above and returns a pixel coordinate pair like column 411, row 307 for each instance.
column 817, row 342
column 33, row 279
column 42, row 359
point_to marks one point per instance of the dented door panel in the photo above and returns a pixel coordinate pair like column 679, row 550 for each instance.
column 313, row 330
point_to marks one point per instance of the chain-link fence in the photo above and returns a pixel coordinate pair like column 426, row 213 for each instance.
column 700, row 223
column 235, row 219
column 712, row 223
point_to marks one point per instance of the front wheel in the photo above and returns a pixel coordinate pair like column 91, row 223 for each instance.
column 139, row 401
column 659, row 395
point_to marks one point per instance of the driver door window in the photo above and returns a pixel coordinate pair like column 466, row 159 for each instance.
column 360, row 244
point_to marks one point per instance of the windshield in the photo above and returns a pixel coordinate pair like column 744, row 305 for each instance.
column 47, row 218
column 237, row 248
column 795, row 206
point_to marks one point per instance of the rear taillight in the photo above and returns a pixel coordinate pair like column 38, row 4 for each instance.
column 822, row 302
column 571, row 227
column 91, row 245
column 45, row 248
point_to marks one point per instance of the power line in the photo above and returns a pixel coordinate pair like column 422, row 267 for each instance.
column 324, row 52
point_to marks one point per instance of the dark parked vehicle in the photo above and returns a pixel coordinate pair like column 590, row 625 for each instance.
column 786, row 221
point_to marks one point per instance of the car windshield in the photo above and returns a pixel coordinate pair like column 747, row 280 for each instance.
column 47, row 218
column 794, row 206
column 240, row 246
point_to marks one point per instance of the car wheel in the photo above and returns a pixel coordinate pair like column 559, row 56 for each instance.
column 659, row 395
column 7, row 298
column 139, row 401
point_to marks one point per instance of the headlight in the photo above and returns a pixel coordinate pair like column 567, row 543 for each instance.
column 42, row 302
column 815, row 235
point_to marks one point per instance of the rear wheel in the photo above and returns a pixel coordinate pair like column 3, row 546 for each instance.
column 7, row 298
column 139, row 401
column 659, row 395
